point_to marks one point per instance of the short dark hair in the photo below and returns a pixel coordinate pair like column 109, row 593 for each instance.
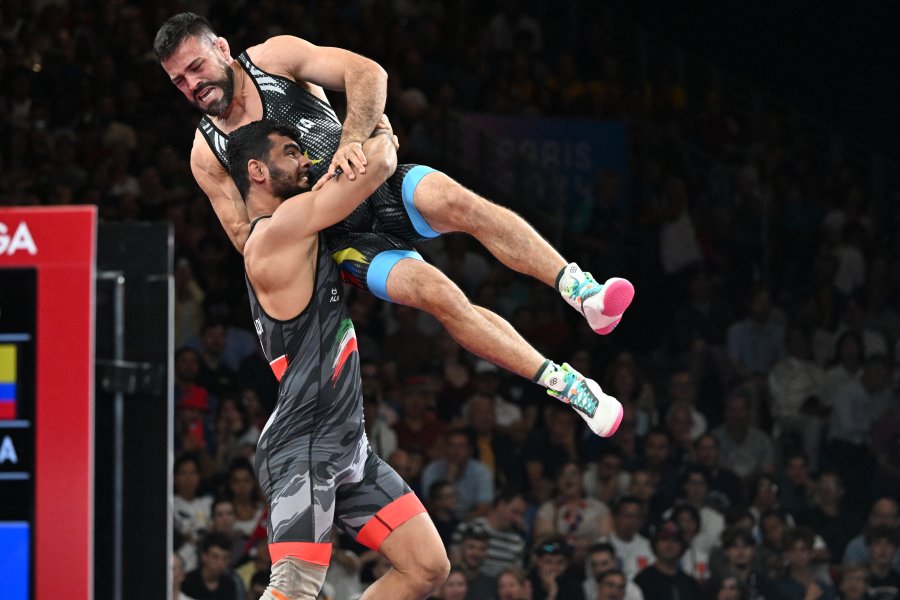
column 799, row 534
column 219, row 540
column 601, row 547
column 881, row 533
column 251, row 142
column 732, row 535
column 177, row 29
column 609, row 573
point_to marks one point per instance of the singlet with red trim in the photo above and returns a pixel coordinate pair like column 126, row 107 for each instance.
column 313, row 355
column 287, row 102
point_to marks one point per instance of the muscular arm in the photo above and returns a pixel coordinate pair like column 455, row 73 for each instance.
column 363, row 80
column 216, row 183
column 288, row 238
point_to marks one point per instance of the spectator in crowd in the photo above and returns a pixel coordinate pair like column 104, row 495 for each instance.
column 243, row 491
column 258, row 585
column 886, row 450
column 213, row 580
column 601, row 558
column 745, row 449
column 178, row 578
column 830, row 517
column 497, row 450
column 513, row 584
column 222, row 521
column 234, row 433
column 381, row 437
column 710, row 522
column 611, row 585
column 796, row 393
column 854, row 583
column 191, row 510
column 470, row 476
column 756, row 343
column 549, row 580
column 418, row 427
column 472, row 551
column 215, row 374
column 260, row 562
column 682, row 389
column 795, row 485
column 724, row 485
column 577, row 519
column 845, row 366
column 884, row 580
column 343, row 575
column 605, row 478
column 858, row 404
column 799, row 580
column 632, row 549
column 695, row 559
column 455, row 587
column 729, row 588
column 739, row 549
column 504, row 525
column 664, row 580
column 548, row 447
column 443, row 504
column 659, row 461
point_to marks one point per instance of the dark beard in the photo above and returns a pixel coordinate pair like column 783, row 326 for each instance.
column 227, row 87
column 283, row 186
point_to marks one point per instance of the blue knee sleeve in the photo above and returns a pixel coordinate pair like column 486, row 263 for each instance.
column 412, row 179
column 380, row 268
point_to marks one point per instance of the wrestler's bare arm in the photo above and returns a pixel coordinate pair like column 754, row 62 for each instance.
column 218, row 186
column 363, row 81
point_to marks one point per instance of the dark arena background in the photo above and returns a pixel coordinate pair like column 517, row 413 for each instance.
column 737, row 163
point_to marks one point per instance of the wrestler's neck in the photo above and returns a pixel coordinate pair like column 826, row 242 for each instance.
column 236, row 108
column 260, row 202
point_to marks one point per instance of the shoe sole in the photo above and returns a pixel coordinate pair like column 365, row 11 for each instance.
column 617, row 296
column 616, row 423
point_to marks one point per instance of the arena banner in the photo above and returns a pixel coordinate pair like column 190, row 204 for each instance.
column 590, row 157
column 47, row 258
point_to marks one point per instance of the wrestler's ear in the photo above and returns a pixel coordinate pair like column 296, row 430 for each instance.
column 223, row 47
column 257, row 170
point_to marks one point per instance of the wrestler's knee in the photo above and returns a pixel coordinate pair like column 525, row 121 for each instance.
column 295, row 579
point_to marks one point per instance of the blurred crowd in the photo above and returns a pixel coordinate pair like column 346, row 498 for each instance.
column 759, row 455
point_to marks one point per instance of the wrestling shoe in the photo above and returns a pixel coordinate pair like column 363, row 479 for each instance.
column 601, row 412
column 601, row 305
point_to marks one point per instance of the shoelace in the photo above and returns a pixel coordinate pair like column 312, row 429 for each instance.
column 582, row 398
column 585, row 284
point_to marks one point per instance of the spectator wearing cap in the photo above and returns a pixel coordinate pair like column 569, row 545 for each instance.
column 548, row 576
column 472, row 551
column 632, row 549
column 193, row 430
column 884, row 581
column 504, row 525
column 418, row 426
column 664, row 579
column 470, row 476
column 800, row 580
column 601, row 558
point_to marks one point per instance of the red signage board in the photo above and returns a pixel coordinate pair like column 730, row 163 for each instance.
column 58, row 244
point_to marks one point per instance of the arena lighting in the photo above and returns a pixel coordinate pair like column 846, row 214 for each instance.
column 47, row 258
